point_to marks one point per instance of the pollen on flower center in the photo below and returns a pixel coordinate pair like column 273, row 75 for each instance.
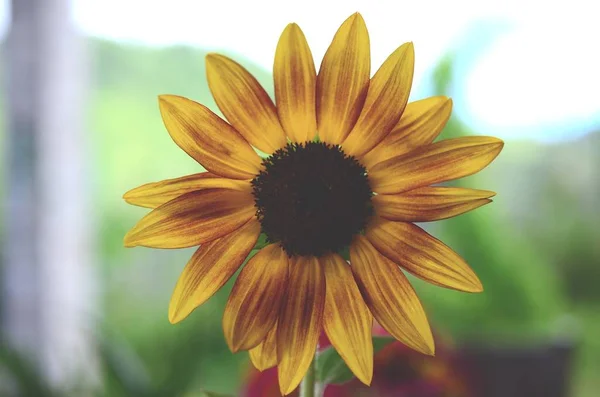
column 312, row 198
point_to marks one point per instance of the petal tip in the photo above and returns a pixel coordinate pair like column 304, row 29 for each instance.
column 429, row 347
column 129, row 241
column 291, row 30
column 405, row 50
column 211, row 59
column 235, row 344
column 472, row 286
column 425, row 345
column 167, row 104
column 497, row 146
column 175, row 313
column 179, row 309
column 495, row 142
column 448, row 102
column 127, row 198
column 238, row 344
column 232, row 348
column 130, row 196
column 165, row 99
column 366, row 376
column 486, row 202
column 356, row 17
column 286, row 389
column 173, row 319
column 477, row 286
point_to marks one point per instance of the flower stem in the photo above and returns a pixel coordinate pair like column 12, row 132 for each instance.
column 308, row 387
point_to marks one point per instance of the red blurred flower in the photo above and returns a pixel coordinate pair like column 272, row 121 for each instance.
column 399, row 372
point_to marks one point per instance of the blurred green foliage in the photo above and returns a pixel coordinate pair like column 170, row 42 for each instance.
column 143, row 355
column 130, row 147
column 24, row 376
column 523, row 296
column 332, row 369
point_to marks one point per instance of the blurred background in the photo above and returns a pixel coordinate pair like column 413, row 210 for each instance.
column 79, row 126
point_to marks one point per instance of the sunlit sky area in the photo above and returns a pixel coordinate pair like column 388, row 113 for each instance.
column 533, row 66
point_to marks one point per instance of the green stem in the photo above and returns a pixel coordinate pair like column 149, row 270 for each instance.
column 308, row 387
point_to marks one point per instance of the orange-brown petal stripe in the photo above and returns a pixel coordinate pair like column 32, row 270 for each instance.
column 385, row 102
column 152, row 195
column 347, row 319
column 420, row 124
column 430, row 203
column 254, row 303
column 390, row 297
column 295, row 80
column 192, row 219
column 244, row 103
column 422, row 254
column 300, row 321
column 438, row 162
column 208, row 139
column 343, row 80
column 209, row 269
column 264, row 355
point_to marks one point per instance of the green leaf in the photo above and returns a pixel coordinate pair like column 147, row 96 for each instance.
column 122, row 367
column 345, row 253
column 23, row 372
column 213, row 394
column 261, row 242
column 331, row 368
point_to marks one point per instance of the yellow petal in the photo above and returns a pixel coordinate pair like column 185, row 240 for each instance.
column 208, row 139
column 209, row 269
column 422, row 254
column 386, row 100
column 420, row 124
column 346, row 319
column 152, row 195
column 430, row 203
column 255, row 300
column 264, row 355
column 390, row 297
column 295, row 80
column 300, row 321
column 438, row 162
column 192, row 219
column 244, row 103
column 343, row 80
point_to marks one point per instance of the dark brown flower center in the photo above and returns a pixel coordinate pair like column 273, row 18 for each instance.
column 312, row 198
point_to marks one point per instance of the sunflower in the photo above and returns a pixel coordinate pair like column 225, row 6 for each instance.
column 348, row 168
